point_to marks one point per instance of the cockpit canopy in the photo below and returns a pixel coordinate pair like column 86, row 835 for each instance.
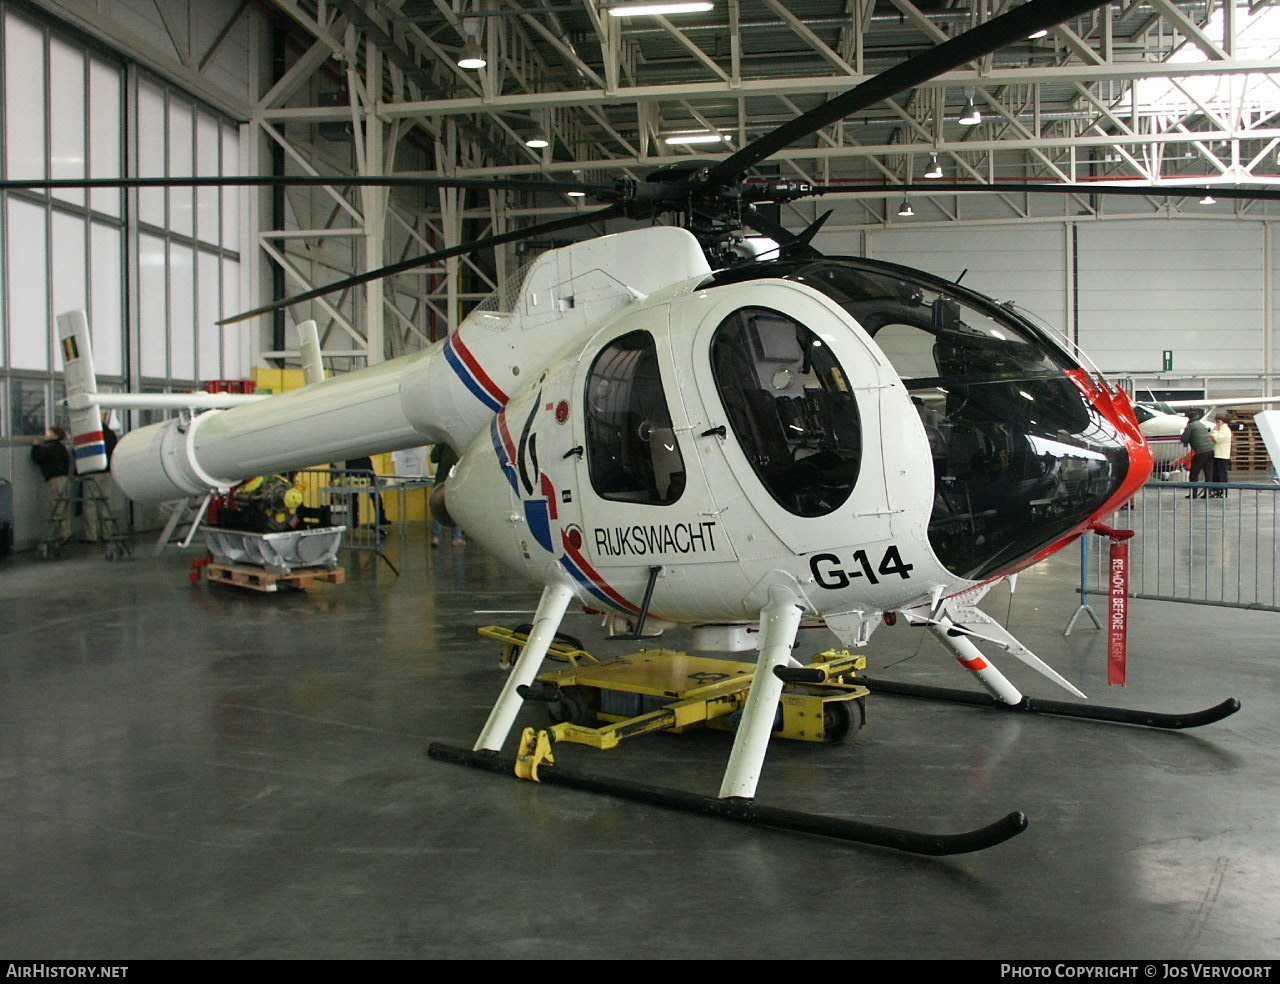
column 1020, row 455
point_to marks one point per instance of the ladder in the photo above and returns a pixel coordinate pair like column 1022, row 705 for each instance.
column 84, row 491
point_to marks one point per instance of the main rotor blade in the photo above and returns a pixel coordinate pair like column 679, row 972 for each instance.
column 606, row 192
column 1016, row 25
column 1048, row 187
column 559, row 225
column 790, row 245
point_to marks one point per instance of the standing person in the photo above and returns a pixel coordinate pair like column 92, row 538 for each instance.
column 363, row 468
column 102, row 479
column 444, row 458
column 54, row 461
column 1221, row 435
column 1196, row 435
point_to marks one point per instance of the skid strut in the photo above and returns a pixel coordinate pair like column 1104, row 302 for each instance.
column 748, row 811
column 1060, row 708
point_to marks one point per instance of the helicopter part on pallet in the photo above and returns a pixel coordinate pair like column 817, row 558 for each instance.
column 276, row 553
column 260, row 579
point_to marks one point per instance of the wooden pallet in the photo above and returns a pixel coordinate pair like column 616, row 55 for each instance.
column 1248, row 451
column 260, row 579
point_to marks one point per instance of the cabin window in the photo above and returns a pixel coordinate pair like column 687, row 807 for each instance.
column 632, row 452
column 790, row 407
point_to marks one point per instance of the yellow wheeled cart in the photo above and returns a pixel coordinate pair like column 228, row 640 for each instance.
column 601, row 703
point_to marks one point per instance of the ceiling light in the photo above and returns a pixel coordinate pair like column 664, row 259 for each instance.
column 472, row 57
column 971, row 116
column 905, row 208
column 702, row 137
column 1208, row 200
column 1043, row 32
column 935, row 169
column 577, row 176
column 654, row 9
column 537, row 141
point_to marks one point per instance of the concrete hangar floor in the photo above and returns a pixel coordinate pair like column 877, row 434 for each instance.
column 202, row 771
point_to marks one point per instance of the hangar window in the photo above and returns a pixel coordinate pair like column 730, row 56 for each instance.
column 790, row 407
column 632, row 452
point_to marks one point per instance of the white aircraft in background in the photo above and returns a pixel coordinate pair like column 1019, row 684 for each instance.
column 1162, row 425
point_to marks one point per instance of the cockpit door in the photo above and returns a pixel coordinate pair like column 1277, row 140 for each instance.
column 641, row 499
column 797, row 399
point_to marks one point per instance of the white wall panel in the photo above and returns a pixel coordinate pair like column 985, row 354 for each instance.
column 67, row 157
column 1144, row 287
column 182, row 311
column 139, row 17
column 181, row 162
column 208, row 148
column 106, row 308
column 1195, row 288
column 70, row 271
column 105, row 127
column 153, row 306
column 231, row 196
column 179, row 40
column 208, row 307
column 28, row 277
column 24, row 139
column 227, row 69
column 150, row 151
column 1272, row 235
column 1024, row 264
column 235, row 345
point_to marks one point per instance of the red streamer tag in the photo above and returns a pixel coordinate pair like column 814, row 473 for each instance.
column 1118, row 613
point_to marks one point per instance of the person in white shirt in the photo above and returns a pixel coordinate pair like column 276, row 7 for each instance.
column 1221, row 434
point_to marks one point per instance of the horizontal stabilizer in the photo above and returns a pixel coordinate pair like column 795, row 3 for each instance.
column 196, row 400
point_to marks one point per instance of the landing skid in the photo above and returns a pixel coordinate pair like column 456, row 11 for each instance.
column 1034, row 705
column 755, row 698
column 748, row 811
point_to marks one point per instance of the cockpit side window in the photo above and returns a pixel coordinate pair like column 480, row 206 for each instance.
column 790, row 407
column 632, row 452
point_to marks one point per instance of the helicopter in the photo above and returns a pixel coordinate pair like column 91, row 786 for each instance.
column 711, row 423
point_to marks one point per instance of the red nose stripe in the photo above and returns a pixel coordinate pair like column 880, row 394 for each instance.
column 1117, row 408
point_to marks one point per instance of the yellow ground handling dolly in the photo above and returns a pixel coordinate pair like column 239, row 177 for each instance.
column 601, row 703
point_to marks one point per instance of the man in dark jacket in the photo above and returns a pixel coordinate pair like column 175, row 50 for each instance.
column 54, row 461
column 1196, row 436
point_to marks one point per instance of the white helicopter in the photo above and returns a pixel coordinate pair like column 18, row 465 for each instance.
column 653, row 437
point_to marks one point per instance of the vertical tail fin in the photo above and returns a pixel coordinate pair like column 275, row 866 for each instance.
column 89, row 446
column 309, row 352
